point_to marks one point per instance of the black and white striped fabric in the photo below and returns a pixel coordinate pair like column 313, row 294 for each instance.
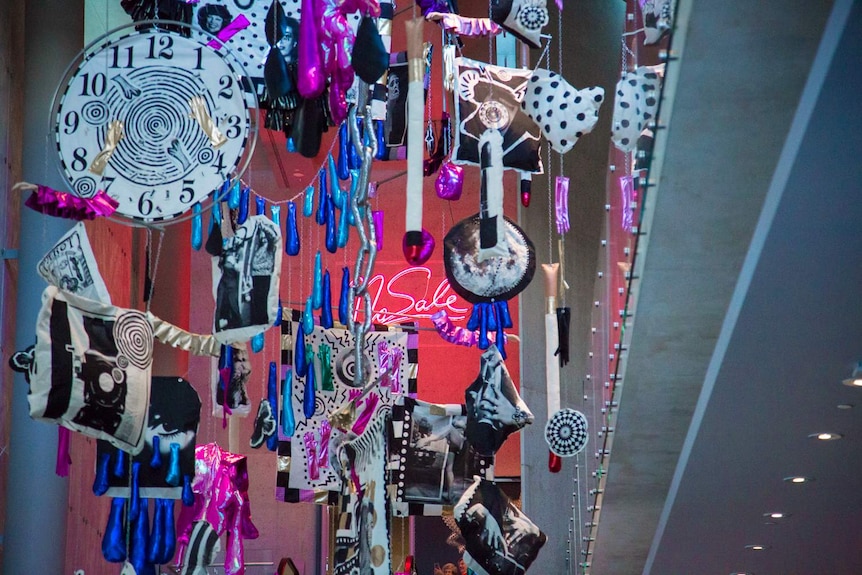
column 202, row 547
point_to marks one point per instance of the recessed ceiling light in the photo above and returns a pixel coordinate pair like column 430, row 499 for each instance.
column 798, row 479
column 855, row 380
column 825, row 436
column 757, row 547
column 845, row 406
column 776, row 515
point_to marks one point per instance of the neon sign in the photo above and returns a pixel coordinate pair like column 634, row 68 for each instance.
column 395, row 292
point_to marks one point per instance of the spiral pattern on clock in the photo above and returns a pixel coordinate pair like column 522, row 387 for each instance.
column 85, row 187
column 133, row 335
column 206, row 155
column 162, row 142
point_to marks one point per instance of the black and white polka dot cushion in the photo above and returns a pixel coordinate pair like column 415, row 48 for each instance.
column 562, row 112
column 635, row 106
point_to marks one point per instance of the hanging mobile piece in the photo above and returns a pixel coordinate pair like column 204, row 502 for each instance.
column 552, row 368
column 326, row 304
column 564, row 318
column 334, row 188
column 377, row 218
column 343, row 152
column 257, row 343
column 272, row 398
column 215, row 243
column 309, row 58
column 156, row 459
column 140, row 535
column 197, row 227
column 259, row 206
column 300, row 362
column 275, row 214
column 344, row 299
column 343, row 233
column 354, row 184
column 324, row 354
column 526, row 188
column 331, row 240
column 561, row 205
column 450, row 182
column 114, row 540
column 233, row 195
column 418, row 242
column 291, row 244
column 174, row 474
column 100, row 483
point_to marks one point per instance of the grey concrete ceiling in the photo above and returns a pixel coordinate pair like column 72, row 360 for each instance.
column 749, row 312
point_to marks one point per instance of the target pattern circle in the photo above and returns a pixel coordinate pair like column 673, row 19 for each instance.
column 566, row 432
column 173, row 152
column 133, row 335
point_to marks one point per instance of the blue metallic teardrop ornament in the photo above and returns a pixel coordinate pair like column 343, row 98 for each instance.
column 317, row 287
column 259, row 206
column 244, row 199
column 354, row 185
column 275, row 215
column 156, row 459
column 379, row 132
column 320, row 216
column 326, row 307
column 343, row 233
column 257, row 342
column 334, row 188
column 354, row 160
column 300, row 362
column 308, row 399
column 308, row 316
column 114, row 540
column 188, row 494
column 233, row 196
column 272, row 397
column 100, row 483
column 331, row 225
column 291, row 246
column 344, row 298
column 308, row 202
column 343, row 152
column 197, row 227
column 173, row 476
column 288, row 423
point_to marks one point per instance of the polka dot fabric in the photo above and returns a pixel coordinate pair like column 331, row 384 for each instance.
column 635, row 106
column 563, row 113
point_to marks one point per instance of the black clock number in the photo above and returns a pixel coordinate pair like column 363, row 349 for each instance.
column 200, row 56
column 233, row 129
column 219, row 163
column 188, row 193
column 225, row 83
column 70, row 121
column 165, row 47
column 79, row 159
column 108, row 180
column 115, row 57
column 145, row 203
column 96, row 86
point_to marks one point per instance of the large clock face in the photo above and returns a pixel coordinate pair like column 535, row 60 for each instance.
column 166, row 160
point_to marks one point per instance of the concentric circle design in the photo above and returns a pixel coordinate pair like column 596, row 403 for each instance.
column 85, row 187
column 161, row 143
column 345, row 366
column 133, row 335
column 494, row 115
column 566, row 432
column 95, row 112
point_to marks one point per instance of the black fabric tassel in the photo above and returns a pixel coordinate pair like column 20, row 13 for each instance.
column 564, row 318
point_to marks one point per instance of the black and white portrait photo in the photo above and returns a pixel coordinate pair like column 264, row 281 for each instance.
column 246, row 279
column 213, row 17
column 494, row 408
column 499, row 538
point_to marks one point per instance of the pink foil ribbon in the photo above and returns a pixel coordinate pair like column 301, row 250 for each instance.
column 309, row 61
column 627, row 189
column 389, row 362
column 236, row 25
column 221, row 498
column 311, row 461
column 377, row 217
column 64, row 460
column 464, row 26
column 457, row 335
column 323, row 444
column 561, row 193
column 51, row 202
column 371, row 401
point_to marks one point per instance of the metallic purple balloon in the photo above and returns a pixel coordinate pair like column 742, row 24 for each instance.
column 450, row 181
column 312, row 80
column 418, row 255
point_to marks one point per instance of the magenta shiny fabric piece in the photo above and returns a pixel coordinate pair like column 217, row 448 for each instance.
column 309, row 60
column 221, row 498
column 389, row 360
column 562, row 204
column 627, row 189
column 237, row 25
column 464, row 26
column 377, row 217
column 450, row 181
column 64, row 460
column 50, row 202
column 418, row 255
column 454, row 334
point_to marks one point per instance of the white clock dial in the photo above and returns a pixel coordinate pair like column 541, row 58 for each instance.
column 166, row 160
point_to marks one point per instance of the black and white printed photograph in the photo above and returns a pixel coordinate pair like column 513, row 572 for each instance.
column 246, row 281
column 71, row 266
column 499, row 538
column 169, row 442
column 236, row 395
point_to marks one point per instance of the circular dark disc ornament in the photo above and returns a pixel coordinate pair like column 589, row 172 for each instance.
column 495, row 278
column 566, row 432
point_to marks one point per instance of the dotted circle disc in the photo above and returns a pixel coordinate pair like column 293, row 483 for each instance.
column 566, row 432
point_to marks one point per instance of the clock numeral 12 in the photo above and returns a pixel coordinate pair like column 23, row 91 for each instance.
column 166, row 44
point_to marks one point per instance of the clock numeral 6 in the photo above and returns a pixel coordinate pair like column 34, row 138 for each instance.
column 188, row 193
column 145, row 203
column 79, row 159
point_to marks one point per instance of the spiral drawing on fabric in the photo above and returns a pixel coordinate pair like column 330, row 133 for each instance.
column 85, row 187
column 133, row 335
column 206, row 155
column 345, row 366
column 95, row 112
column 161, row 138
